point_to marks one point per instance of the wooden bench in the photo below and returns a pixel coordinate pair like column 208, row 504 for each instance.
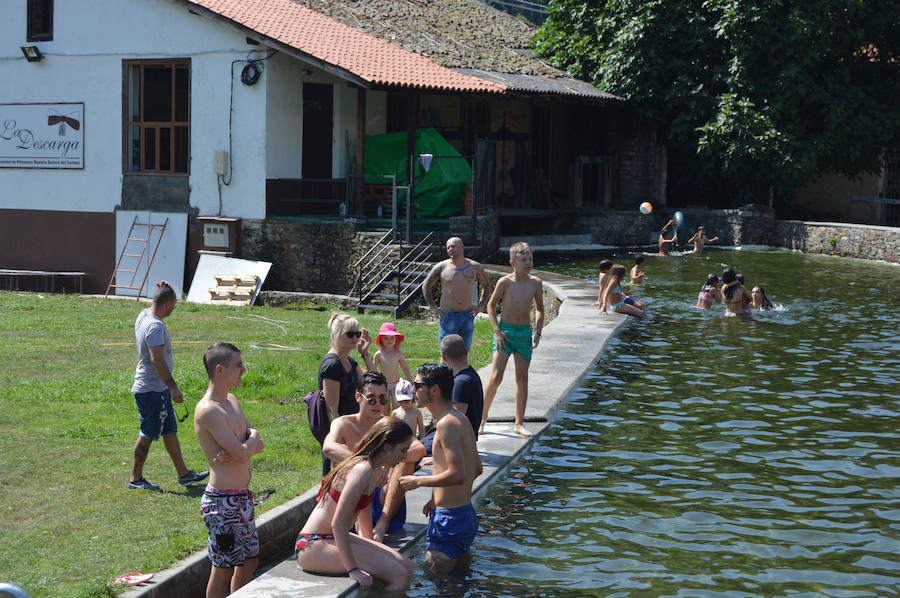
column 47, row 278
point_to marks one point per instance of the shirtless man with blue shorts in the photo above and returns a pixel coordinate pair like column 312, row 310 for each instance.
column 457, row 276
column 452, row 522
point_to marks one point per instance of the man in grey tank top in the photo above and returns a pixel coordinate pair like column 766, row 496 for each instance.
column 154, row 390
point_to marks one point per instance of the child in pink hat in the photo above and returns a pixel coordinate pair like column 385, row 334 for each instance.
column 390, row 359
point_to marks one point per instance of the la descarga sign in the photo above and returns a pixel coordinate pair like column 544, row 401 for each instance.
column 42, row 135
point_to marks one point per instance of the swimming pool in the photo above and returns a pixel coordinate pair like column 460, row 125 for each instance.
column 711, row 456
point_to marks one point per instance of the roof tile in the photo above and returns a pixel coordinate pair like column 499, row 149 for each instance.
column 374, row 60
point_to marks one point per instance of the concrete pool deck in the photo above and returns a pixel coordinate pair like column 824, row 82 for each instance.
column 570, row 346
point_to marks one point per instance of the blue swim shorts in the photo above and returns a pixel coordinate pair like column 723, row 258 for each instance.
column 399, row 519
column 452, row 531
column 157, row 414
column 458, row 322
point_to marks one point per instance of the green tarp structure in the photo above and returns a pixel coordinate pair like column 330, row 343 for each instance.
column 440, row 192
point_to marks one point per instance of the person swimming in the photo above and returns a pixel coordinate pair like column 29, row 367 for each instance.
column 709, row 292
column 735, row 294
column 759, row 300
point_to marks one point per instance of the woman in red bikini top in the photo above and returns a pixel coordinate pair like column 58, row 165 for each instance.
column 325, row 544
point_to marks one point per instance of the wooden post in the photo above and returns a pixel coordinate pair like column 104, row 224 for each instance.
column 359, row 194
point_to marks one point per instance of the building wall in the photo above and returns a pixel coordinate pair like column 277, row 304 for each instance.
column 284, row 117
column 830, row 197
column 83, row 63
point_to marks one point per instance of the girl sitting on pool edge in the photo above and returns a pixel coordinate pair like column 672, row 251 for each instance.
column 325, row 544
column 613, row 298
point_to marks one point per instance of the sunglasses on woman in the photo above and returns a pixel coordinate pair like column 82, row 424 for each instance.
column 353, row 333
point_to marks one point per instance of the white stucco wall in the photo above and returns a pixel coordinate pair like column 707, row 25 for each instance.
column 284, row 112
column 84, row 64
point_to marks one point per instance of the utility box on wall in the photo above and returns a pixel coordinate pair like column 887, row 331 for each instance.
column 219, row 234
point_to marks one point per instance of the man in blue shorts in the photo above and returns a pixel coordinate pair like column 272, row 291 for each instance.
column 154, row 390
column 452, row 522
column 457, row 276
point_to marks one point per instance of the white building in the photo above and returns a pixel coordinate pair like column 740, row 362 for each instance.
column 257, row 108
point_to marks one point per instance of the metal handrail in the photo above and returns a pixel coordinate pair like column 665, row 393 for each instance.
column 371, row 249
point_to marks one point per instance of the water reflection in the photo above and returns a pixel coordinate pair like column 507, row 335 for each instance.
column 714, row 456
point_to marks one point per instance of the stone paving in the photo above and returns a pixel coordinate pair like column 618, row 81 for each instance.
column 571, row 345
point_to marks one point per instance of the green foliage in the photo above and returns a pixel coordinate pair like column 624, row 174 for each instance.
column 746, row 95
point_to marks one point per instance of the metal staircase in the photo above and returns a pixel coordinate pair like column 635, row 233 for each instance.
column 389, row 276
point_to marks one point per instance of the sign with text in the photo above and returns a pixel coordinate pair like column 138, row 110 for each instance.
column 42, row 135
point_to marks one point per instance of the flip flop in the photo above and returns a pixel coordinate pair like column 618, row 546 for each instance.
column 134, row 578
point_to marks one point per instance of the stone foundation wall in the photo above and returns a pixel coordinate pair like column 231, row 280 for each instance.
column 487, row 233
column 847, row 240
column 311, row 256
column 317, row 256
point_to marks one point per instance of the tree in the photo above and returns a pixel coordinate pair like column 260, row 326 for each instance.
column 748, row 96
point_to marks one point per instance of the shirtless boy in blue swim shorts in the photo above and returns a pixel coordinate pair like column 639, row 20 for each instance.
column 512, row 333
column 452, row 522
column 229, row 442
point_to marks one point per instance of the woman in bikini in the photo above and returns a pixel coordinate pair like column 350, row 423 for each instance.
column 709, row 293
column 325, row 544
column 735, row 295
column 614, row 299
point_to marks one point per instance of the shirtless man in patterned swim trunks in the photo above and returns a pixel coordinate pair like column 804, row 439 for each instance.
column 229, row 442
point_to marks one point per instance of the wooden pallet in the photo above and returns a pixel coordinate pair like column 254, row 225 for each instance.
column 233, row 290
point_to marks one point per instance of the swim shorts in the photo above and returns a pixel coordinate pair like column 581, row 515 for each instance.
column 157, row 414
column 518, row 339
column 452, row 531
column 228, row 515
column 399, row 519
column 458, row 322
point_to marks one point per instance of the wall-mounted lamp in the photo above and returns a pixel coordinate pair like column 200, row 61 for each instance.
column 32, row 54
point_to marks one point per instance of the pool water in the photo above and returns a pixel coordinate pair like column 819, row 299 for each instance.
column 712, row 456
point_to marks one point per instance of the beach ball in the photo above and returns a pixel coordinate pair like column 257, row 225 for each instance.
column 646, row 207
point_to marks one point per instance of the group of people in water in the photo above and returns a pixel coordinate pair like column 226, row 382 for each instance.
column 732, row 293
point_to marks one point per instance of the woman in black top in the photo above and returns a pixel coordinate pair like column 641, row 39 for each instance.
column 339, row 374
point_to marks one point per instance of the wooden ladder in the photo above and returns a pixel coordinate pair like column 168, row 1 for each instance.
column 130, row 250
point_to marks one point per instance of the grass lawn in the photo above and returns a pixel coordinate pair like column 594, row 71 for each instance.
column 68, row 424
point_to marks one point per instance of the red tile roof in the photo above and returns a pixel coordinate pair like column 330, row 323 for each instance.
column 369, row 58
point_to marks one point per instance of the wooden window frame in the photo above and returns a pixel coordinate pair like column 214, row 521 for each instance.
column 39, row 36
column 155, row 125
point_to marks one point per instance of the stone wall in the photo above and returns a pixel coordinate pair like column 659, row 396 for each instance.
column 486, row 233
column 316, row 256
column 847, row 240
column 309, row 256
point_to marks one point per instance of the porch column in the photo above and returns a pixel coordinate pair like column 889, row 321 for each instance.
column 359, row 190
column 412, row 157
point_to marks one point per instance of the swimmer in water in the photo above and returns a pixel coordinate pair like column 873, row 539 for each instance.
column 735, row 294
column 709, row 293
column 637, row 272
column 614, row 299
column 759, row 301
column 665, row 244
column 700, row 240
